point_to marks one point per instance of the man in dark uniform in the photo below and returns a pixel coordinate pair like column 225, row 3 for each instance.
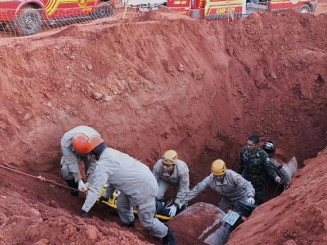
column 254, row 165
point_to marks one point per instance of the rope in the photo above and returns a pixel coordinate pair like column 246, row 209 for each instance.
column 40, row 178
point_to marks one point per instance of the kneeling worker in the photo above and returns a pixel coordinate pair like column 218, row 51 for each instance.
column 72, row 156
column 170, row 171
column 133, row 179
column 231, row 186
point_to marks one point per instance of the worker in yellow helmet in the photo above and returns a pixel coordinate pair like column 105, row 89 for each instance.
column 170, row 171
column 231, row 186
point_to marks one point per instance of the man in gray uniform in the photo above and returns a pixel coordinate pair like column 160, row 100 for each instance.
column 71, row 158
column 230, row 185
column 169, row 170
column 136, row 184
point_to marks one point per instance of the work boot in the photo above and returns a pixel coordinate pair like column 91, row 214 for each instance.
column 71, row 183
column 169, row 239
column 129, row 224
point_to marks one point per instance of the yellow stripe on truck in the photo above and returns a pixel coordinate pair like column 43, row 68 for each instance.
column 52, row 7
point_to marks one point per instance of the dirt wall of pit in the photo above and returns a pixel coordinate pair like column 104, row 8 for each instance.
column 154, row 83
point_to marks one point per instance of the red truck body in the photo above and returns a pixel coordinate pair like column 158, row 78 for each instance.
column 229, row 9
column 27, row 16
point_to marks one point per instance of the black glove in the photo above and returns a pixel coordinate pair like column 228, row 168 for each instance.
column 82, row 213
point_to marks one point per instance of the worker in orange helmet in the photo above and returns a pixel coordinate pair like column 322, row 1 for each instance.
column 136, row 183
column 231, row 186
column 73, row 154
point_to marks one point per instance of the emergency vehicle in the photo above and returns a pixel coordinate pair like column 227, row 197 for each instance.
column 230, row 9
column 27, row 16
column 223, row 9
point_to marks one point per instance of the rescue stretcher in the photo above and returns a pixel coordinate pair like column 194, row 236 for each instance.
column 112, row 203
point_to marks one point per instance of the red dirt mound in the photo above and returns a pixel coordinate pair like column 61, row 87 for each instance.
column 297, row 216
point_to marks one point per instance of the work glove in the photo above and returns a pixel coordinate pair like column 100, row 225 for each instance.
column 172, row 210
column 250, row 200
column 81, row 186
column 278, row 180
column 82, row 213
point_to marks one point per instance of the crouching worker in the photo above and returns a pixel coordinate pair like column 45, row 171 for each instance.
column 170, row 171
column 72, row 155
column 136, row 184
column 231, row 186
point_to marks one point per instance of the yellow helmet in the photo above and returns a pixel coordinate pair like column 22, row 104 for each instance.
column 218, row 167
column 170, row 157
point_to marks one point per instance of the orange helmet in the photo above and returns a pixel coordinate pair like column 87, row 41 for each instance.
column 83, row 144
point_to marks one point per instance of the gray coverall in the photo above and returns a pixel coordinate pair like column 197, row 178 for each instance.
column 234, row 188
column 137, row 185
column 71, row 159
column 180, row 179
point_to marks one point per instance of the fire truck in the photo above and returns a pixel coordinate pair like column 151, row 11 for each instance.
column 27, row 16
column 230, row 9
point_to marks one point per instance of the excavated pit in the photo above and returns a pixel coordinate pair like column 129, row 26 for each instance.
column 149, row 84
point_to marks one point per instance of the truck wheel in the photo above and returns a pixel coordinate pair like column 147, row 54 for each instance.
column 103, row 10
column 305, row 9
column 29, row 21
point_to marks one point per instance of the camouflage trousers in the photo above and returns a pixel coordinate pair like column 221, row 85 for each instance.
column 259, row 186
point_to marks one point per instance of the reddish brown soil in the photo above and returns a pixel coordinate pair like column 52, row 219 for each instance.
column 153, row 83
column 321, row 7
column 297, row 216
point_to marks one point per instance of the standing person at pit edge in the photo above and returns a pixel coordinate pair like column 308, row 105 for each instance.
column 270, row 148
column 72, row 156
column 254, row 165
column 136, row 183
column 231, row 186
column 170, row 171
